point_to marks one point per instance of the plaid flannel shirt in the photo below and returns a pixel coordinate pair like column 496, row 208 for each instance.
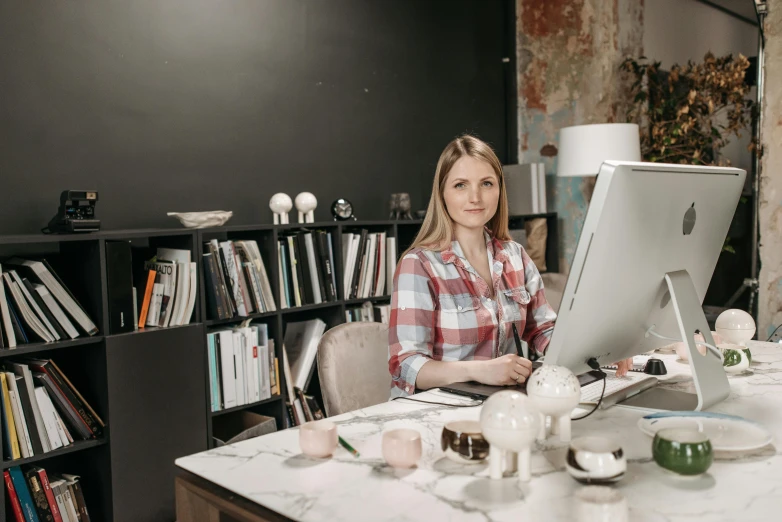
column 441, row 310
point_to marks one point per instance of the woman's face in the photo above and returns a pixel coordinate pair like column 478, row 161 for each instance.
column 471, row 192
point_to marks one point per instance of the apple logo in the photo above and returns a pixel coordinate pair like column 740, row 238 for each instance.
column 689, row 220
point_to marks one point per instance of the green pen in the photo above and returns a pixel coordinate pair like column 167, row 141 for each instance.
column 347, row 446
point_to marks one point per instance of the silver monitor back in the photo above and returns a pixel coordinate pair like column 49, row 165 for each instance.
column 645, row 221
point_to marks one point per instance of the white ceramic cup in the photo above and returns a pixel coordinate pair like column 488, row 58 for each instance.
column 402, row 447
column 595, row 460
column 600, row 504
column 318, row 438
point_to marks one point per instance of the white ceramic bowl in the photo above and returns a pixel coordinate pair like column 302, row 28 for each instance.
column 211, row 218
column 595, row 460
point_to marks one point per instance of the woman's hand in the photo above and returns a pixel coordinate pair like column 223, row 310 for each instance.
column 622, row 367
column 507, row 370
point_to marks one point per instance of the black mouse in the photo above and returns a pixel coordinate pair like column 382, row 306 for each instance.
column 655, row 367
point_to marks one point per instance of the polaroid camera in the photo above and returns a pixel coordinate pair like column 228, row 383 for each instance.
column 76, row 213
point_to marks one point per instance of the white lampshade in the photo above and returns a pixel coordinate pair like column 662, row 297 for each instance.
column 583, row 148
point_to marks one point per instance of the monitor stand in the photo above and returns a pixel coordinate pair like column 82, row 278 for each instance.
column 711, row 383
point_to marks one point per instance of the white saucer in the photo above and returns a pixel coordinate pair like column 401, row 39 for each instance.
column 726, row 432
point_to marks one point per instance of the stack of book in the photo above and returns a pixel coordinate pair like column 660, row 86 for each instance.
column 41, row 410
column 36, row 306
column 243, row 368
column 303, row 408
column 369, row 259
column 34, row 494
column 525, row 186
column 306, row 260
column 299, row 349
column 236, row 280
column 170, row 289
column 369, row 313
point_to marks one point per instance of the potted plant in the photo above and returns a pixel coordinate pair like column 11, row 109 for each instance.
column 688, row 114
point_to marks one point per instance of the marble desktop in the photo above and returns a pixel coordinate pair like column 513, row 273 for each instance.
column 271, row 471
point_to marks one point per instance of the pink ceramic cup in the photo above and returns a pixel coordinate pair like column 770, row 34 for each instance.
column 318, row 438
column 402, row 447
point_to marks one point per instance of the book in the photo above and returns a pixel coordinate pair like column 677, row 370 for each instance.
column 74, row 485
column 45, row 274
column 43, row 477
column 521, row 185
column 10, row 433
column 41, row 437
column 23, row 493
column 20, row 417
column 38, row 496
column 5, row 317
column 56, row 311
column 301, row 345
column 150, row 286
column 13, row 497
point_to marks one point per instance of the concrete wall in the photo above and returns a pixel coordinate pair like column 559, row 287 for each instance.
column 568, row 54
column 770, row 296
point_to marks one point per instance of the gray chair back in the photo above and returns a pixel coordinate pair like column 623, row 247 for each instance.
column 353, row 367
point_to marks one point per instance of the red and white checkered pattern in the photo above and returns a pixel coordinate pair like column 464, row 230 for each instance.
column 441, row 310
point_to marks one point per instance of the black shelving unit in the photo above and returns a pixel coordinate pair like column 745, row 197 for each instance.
column 151, row 386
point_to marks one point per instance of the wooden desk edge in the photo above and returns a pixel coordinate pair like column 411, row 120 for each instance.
column 198, row 500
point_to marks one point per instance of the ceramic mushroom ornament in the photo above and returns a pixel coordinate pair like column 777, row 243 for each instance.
column 509, row 422
column 306, row 204
column 554, row 391
column 280, row 204
column 735, row 326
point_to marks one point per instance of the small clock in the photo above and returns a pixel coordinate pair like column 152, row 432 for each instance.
column 342, row 210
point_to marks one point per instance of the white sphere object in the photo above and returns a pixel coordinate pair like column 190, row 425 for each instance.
column 305, row 202
column 554, row 390
column 280, row 203
column 735, row 326
column 509, row 420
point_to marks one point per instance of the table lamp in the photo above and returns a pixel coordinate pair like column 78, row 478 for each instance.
column 583, row 148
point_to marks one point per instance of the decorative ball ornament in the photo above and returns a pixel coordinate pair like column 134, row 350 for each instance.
column 280, row 204
column 342, row 210
column 306, row 204
column 554, row 391
column 735, row 326
column 509, row 422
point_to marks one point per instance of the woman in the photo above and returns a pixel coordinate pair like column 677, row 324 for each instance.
column 464, row 283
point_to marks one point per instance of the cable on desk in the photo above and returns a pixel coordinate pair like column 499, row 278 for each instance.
column 478, row 403
column 595, row 366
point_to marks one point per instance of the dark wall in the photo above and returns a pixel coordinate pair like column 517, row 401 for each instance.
column 182, row 105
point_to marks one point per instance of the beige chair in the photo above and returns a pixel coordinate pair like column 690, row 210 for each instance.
column 353, row 367
column 554, row 285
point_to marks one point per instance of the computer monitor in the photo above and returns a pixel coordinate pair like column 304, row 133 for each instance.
column 647, row 251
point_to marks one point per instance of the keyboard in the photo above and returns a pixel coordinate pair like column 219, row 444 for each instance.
column 617, row 388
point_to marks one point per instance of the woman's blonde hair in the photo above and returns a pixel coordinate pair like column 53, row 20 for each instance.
column 436, row 233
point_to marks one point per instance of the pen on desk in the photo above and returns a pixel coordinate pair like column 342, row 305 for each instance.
column 347, row 446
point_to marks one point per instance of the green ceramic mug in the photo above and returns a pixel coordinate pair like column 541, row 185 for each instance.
column 683, row 451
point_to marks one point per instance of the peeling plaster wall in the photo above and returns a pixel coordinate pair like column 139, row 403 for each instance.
column 568, row 54
column 770, row 278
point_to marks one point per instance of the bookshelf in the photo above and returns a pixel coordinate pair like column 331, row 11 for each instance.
column 151, row 386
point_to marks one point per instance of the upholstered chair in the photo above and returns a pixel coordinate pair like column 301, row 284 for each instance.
column 353, row 366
